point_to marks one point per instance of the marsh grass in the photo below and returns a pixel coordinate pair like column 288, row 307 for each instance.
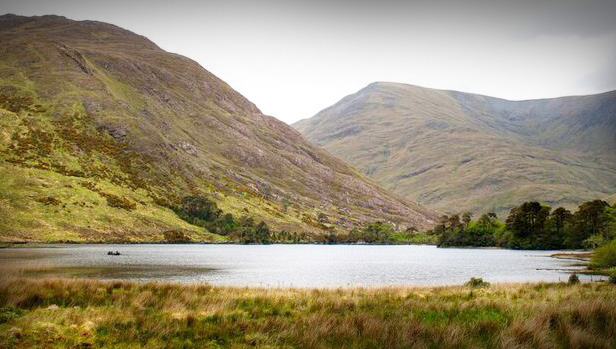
column 88, row 313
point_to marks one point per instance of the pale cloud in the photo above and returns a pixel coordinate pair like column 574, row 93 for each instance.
column 293, row 58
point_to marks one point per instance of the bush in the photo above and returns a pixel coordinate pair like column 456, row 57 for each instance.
column 477, row 283
column 574, row 279
column 119, row 202
column 225, row 224
column 8, row 314
column 612, row 279
column 49, row 201
column 377, row 232
column 197, row 210
column 176, row 237
column 605, row 256
column 251, row 233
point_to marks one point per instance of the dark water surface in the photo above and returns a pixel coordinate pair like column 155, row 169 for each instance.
column 293, row 265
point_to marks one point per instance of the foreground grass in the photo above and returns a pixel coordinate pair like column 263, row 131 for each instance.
column 79, row 313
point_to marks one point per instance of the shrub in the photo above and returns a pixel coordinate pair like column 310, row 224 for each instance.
column 8, row 314
column 251, row 233
column 477, row 283
column 49, row 201
column 197, row 210
column 574, row 279
column 612, row 279
column 175, row 237
column 119, row 202
column 605, row 256
column 223, row 225
column 377, row 232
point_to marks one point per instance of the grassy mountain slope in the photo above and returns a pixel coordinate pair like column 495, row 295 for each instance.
column 101, row 132
column 454, row 151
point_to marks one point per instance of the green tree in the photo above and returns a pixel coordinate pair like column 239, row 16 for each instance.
column 556, row 230
column 488, row 221
column 224, row 225
column 246, row 229
column 528, row 219
column 378, row 232
column 609, row 222
column 588, row 220
column 197, row 210
column 559, row 219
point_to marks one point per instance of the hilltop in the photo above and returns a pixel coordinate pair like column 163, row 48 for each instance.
column 102, row 133
column 454, row 152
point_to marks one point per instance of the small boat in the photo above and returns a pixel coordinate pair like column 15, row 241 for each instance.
column 112, row 253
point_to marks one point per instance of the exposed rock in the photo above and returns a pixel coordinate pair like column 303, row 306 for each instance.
column 189, row 148
column 76, row 57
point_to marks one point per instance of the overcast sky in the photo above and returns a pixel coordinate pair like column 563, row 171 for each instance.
column 294, row 58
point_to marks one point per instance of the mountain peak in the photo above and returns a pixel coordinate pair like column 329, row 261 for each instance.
column 454, row 151
column 109, row 131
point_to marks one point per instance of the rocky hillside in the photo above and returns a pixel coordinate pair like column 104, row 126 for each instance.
column 101, row 132
column 454, row 152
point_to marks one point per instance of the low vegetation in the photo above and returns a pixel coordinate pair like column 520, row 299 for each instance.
column 477, row 283
column 65, row 313
column 605, row 256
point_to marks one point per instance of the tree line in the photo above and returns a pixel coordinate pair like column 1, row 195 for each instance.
column 378, row 232
column 532, row 225
column 204, row 212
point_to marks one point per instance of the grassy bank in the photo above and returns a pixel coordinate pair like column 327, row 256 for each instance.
column 77, row 313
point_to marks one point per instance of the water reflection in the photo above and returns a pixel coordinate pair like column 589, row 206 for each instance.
column 293, row 265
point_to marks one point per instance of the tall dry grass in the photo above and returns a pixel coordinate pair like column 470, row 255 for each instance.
column 72, row 313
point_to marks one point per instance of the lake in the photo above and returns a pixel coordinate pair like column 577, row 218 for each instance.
column 295, row 265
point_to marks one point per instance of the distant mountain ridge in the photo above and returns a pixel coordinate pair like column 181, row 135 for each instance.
column 101, row 132
column 453, row 151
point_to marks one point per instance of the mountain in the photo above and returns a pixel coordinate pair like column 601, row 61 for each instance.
column 102, row 132
column 456, row 152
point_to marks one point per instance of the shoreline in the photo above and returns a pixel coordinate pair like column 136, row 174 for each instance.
column 71, row 243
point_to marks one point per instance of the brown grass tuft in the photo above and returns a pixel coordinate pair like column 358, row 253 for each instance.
column 70, row 312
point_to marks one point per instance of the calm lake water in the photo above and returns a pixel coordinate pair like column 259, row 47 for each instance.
column 296, row 265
